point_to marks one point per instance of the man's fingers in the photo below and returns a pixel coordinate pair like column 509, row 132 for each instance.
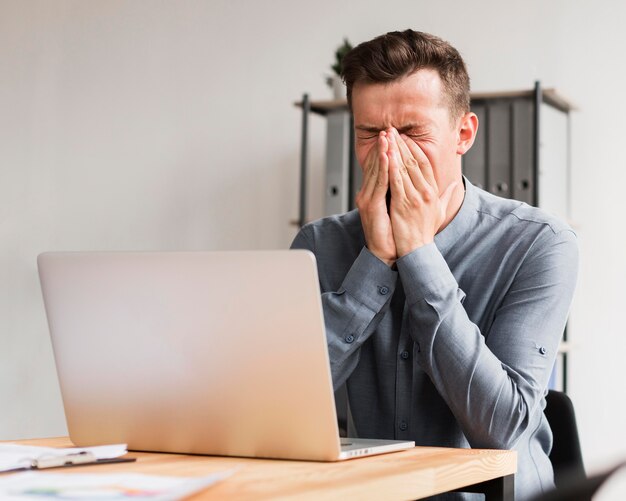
column 382, row 183
column 399, row 179
column 375, row 173
column 370, row 173
column 424, row 164
column 410, row 161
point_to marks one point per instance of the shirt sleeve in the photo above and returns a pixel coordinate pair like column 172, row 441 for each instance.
column 492, row 381
column 352, row 312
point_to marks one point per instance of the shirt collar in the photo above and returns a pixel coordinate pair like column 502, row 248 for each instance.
column 460, row 225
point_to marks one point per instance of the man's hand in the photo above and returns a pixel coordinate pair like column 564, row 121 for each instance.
column 372, row 205
column 417, row 208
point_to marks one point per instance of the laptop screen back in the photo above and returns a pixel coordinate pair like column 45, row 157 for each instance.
column 199, row 352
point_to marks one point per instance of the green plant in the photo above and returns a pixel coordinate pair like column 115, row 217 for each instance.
column 340, row 53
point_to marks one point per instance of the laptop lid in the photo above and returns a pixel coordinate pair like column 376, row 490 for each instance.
column 195, row 352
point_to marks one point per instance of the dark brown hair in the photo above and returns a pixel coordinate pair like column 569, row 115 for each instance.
column 399, row 54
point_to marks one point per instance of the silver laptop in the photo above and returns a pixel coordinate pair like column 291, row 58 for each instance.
column 220, row 353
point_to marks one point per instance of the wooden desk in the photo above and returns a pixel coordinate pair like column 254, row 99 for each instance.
column 412, row 474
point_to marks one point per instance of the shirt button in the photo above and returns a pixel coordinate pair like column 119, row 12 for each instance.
column 542, row 350
column 383, row 290
column 403, row 426
column 405, row 355
column 349, row 338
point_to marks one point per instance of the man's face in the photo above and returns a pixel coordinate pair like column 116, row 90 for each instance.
column 415, row 106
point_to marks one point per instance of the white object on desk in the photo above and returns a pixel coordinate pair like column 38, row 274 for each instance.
column 36, row 486
column 25, row 457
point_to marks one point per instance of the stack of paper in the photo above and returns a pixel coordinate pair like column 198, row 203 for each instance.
column 36, row 486
column 25, row 457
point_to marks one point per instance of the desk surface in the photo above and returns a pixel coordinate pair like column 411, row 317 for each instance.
column 411, row 474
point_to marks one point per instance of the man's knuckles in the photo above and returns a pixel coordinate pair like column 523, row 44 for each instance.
column 410, row 163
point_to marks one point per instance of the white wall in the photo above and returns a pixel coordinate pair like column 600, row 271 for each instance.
column 169, row 125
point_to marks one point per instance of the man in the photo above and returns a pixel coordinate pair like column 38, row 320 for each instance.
column 443, row 307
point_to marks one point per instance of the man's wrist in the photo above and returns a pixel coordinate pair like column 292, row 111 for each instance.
column 403, row 250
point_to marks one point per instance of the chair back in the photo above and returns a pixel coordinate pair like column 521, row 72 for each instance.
column 566, row 455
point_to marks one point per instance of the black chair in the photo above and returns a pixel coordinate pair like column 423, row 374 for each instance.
column 580, row 489
column 572, row 483
column 566, row 455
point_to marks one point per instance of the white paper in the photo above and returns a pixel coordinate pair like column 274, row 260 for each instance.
column 15, row 456
column 39, row 486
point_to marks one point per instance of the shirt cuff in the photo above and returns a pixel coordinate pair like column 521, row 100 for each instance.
column 424, row 274
column 370, row 281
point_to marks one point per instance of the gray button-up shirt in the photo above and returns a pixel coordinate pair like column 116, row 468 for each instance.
column 455, row 347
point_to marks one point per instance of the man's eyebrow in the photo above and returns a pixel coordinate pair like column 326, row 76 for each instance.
column 412, row 126
column 369, row 128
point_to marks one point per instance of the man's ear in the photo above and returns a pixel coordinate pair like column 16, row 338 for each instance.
column 468, row 127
